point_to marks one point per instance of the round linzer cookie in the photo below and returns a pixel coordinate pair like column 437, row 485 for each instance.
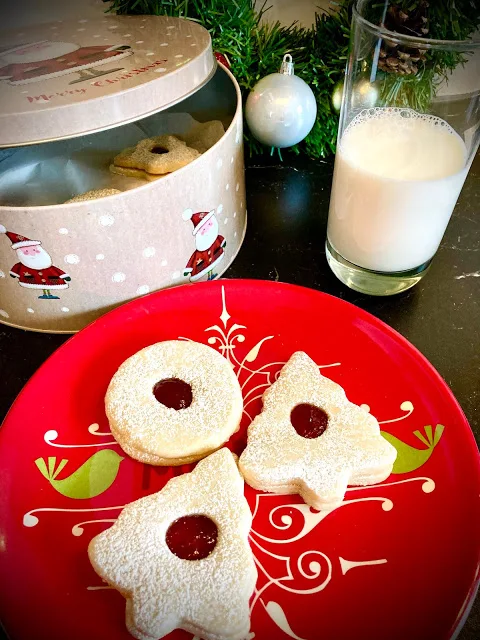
column 181, row 557
column 173, row 403
column 309, row 439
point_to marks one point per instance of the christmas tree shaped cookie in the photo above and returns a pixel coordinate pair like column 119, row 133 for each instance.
column 181, row 557
column 309, row 439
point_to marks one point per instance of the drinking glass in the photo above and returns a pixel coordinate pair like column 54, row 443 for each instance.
column 408, row 132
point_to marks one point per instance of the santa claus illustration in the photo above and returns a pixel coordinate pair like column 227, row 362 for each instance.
column 49, row 59
column 35, row 269
column 209, row 245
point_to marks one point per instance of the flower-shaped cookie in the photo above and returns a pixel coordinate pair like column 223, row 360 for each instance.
column 204, row 135
column 181, row 557
column 309, row 439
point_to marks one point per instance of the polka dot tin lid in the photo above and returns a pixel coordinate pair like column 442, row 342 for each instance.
column 66, row 79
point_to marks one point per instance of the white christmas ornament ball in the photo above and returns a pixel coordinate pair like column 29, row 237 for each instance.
column 281, row 110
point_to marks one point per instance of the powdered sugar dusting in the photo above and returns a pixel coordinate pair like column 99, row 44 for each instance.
column 208, row 597
column 350, row 451
column 143, row 424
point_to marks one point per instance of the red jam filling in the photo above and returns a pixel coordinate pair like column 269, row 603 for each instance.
column 192, row 537
column 308, row 421
column 173, row 393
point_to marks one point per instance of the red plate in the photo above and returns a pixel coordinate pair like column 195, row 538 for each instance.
column 397, row 560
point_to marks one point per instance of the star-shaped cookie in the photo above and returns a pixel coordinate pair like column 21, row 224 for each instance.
column 158, row 155
column 342, row 443
column 143, row 555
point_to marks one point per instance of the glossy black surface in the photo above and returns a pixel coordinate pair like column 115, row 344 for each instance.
column 287, row 208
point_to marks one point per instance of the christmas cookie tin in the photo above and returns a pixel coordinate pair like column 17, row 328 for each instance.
column 75, row 97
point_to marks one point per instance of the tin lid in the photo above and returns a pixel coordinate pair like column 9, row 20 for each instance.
column 66, row 79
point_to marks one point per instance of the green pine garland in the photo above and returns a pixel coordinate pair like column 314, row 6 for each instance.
column 255, row 49
column 447, row 20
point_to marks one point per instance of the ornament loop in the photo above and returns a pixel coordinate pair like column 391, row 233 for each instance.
column 287, row 65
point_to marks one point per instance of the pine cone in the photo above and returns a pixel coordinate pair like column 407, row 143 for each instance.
column 401, row 59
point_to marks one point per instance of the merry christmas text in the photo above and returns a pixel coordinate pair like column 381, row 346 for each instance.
column 44, row 97
column 129, row 74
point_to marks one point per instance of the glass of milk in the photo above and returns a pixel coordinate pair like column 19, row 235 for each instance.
column 409, row 130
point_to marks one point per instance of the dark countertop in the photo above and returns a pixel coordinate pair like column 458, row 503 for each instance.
column 287, row 207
